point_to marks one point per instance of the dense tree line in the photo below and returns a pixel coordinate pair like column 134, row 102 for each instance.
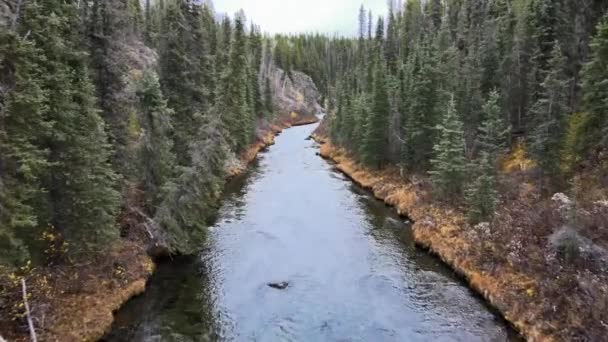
column 445, row 87
column 439, row 87
column 80, row 127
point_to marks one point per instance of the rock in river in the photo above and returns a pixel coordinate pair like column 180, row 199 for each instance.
column 279, row 286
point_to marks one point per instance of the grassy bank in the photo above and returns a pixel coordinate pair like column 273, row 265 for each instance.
column 511, row 261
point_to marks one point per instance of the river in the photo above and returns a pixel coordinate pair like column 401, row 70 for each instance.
column 354, row 273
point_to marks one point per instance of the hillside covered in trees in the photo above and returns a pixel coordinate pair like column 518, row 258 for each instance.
column 485, row 122
column 120, row 122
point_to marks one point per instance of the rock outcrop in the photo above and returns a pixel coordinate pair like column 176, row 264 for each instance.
column 7, row 12
column 294, row 92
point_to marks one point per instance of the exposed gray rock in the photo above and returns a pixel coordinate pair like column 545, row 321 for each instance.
column 7, row 12
column 279, row 286
column 294, row 93
column 564, row 205
column 566, row 243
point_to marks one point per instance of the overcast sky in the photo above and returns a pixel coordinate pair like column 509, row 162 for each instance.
column 295, row 16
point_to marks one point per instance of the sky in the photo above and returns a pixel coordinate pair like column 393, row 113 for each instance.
column 298, row 16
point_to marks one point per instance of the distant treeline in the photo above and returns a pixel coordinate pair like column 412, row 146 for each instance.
column 446, row 87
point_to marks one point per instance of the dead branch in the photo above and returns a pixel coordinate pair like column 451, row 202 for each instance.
column 149, row 231
column 146, row 224
column 30, row 322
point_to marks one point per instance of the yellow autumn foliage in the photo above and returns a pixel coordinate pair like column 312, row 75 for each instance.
column 517, row 160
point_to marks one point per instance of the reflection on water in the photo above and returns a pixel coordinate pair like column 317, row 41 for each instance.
column 353, row 269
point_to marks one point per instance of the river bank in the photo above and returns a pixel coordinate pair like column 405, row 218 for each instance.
column 76, row 302
column 515, row 273
column 352, row 269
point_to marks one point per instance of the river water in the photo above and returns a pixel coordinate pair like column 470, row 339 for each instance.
column 354, row 273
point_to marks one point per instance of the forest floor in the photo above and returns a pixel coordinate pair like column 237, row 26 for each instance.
column 76, row 302
column 544, row 273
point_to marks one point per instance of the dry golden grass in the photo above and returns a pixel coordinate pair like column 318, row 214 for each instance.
column 77, row 302
column 515, row 291
column 88, row 314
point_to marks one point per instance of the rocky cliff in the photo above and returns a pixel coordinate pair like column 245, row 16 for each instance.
column 294, row 92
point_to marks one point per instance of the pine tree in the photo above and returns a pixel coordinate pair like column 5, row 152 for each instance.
column 191, row 199
column 255, row 48
column 595, row 90
column 375, row 143
column 337, row 118
column 156, row 159
column 349, row 119
column 411, row 27
column 236, row 114
column 549, row 111
column 148, row 24
column 422, row 110
column 185, row 71
column 135, row 17
column 436, row 13
column 391, row 50
column 173, row 70
column 108, row 25
column 269, row 105
column 481, row 194
column 224, row 43
column 379, row 39
column 24, row 157
column 370, row 23
column 493, row 132
column 449, row 165
column 361, row 113
column 81, row 182
column 206, row 39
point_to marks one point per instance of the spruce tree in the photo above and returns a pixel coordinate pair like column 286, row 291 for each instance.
column 422, row 110
column 193, row 196
column 595, row 90
column 255, row 48
column 268, row 98
column 24, row 156
column 335, row 127
column 156, row 158
column 391, row 50
column 186, row 70
column 481, row 194
column 493, row 132
column 375, row 143
column 224, row 43
column 148, row 24
column 111, row 24
column 449, row 164
column 236, row 114
column 174, row 69
column 361, row 113
column 81, row 181
column 549, row 111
